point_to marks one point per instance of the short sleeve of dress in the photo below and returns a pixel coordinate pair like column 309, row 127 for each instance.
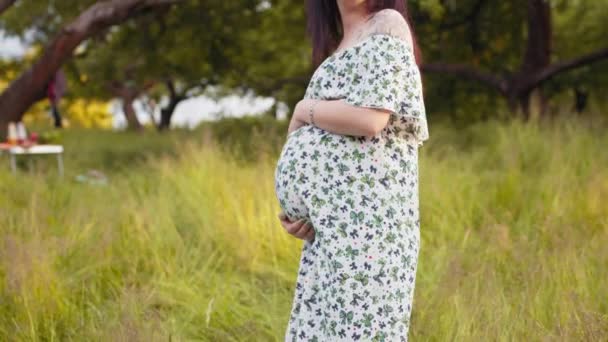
column 385, row 75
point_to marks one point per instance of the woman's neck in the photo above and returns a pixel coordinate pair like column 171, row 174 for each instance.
column 352, row 18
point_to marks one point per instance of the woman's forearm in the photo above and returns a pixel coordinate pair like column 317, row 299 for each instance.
column 339, row 117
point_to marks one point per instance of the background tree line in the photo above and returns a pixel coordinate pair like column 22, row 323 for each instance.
column 479, row 55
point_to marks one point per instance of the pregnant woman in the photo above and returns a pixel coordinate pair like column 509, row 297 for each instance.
column 347, row 176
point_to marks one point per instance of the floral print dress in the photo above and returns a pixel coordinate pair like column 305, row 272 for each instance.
column 356, row 279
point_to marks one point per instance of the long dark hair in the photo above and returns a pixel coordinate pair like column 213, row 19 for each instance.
column 324, row 25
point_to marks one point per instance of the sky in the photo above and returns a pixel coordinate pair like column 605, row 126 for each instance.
column 192, row 111
column 188, row 113
column 10, row 47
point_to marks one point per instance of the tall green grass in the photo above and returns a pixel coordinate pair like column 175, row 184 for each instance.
column 184, row 241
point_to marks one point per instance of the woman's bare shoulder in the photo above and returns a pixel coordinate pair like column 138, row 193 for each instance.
column 389, row 21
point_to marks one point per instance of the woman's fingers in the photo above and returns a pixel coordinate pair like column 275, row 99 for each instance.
column 310, row 236
column 301, row 228
column 294, row 227
column 284, row 221
column 304, row 228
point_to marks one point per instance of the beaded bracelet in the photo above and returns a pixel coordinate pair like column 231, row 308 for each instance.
column 311, row 112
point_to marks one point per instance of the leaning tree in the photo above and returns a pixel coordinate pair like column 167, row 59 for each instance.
column 29, row 88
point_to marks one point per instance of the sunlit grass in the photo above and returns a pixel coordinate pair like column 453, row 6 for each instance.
column 186, row 245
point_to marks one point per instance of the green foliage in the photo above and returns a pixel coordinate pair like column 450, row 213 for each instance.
column 496, row 41
column 41, row 20
column 193, row 44
column 580, row 29
column 186, row 245
column 248, row 45
column 249, row 137
column 274, row 52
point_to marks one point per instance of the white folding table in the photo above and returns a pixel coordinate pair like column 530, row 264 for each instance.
column 13, row 151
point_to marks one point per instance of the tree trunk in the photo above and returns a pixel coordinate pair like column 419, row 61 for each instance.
column 30, row 86
column 543, row 103
column 538, row 51
column 128, row 93
column 524, row 103
column 580, row 102
column 127, row 107
column 538, row 48
column 167, row 113
column 174, row 100
column 512, row 103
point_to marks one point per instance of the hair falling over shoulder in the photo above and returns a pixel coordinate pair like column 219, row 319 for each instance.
column 324, row 25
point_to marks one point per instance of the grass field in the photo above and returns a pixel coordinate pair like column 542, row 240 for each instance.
column 183, row 243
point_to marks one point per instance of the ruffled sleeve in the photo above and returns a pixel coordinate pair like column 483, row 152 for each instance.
column 385, row 75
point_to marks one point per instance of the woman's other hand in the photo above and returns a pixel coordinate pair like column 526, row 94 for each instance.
column 302, row 229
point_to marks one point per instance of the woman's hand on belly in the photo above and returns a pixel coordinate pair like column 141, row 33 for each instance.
column 302, row 229
column 294, row 124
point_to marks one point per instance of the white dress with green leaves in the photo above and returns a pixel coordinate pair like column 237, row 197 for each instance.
column 356, row 279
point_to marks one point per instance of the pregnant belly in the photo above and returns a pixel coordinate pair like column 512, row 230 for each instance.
column 297, row 171
column 315, row 164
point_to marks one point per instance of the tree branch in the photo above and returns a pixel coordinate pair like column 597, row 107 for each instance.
column 5, row 4
column 563, row 66
column 467, row 71
column 30, row 86
column 107, row 13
